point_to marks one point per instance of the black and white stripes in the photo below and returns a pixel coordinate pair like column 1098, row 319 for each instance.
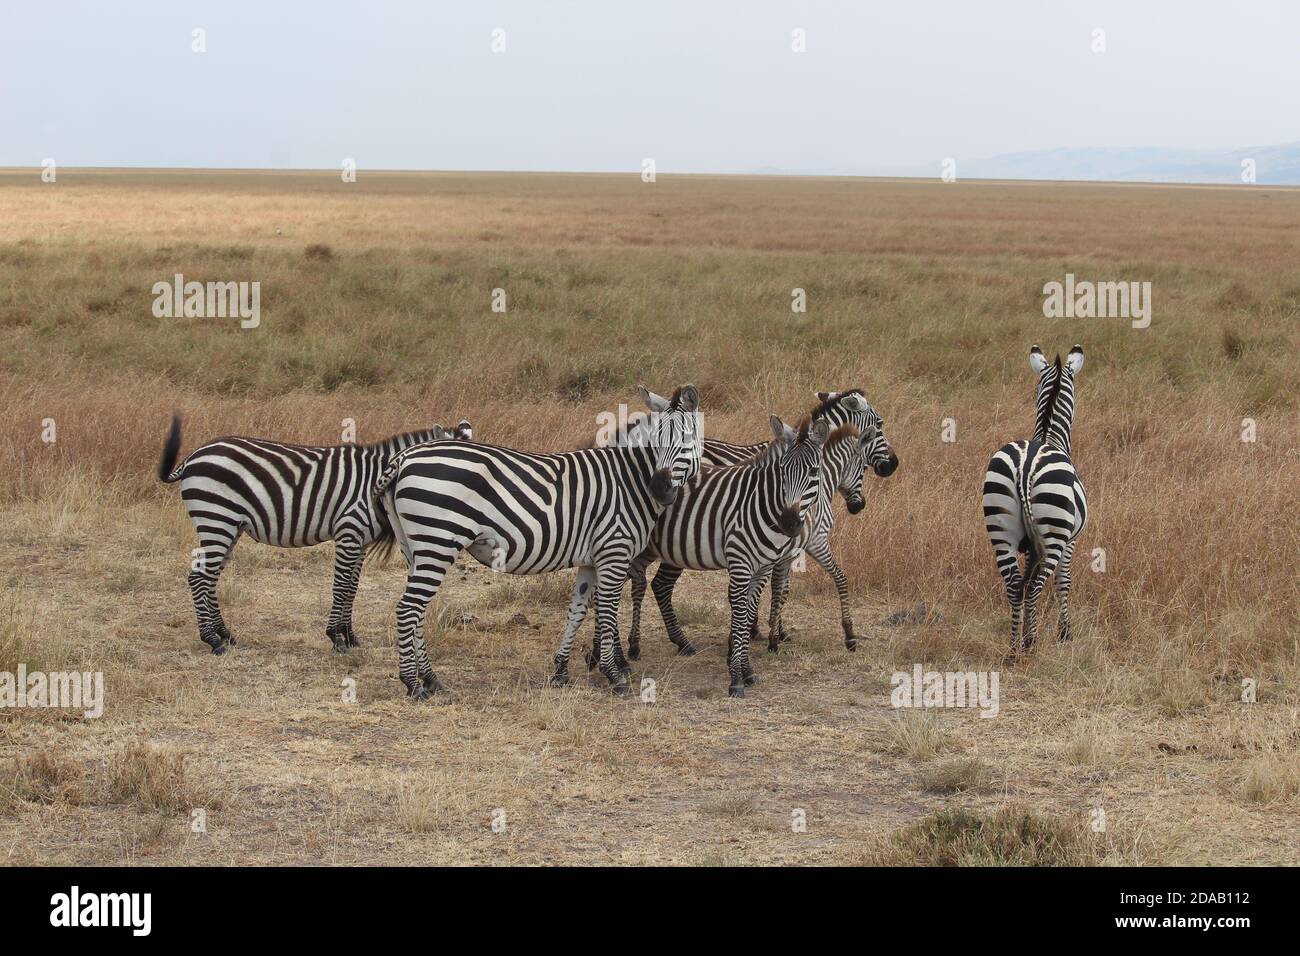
column 1034, row 501
column 743, row 519
column 526, row 514
column 290, row 496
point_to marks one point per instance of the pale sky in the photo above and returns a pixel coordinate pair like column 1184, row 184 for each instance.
column 589, row 85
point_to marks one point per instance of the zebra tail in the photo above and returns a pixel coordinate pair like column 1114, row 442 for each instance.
column 384, row 501
column 382, row 548
column 1033, row 544
column 167, row 470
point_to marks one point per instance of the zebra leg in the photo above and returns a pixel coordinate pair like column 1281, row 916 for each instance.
column 664, row 581
column 215, row 545
column 738, row 595
column 821, row 553
column 428, row 568
column 780, row 590
column 1009, row 567
column 583, row 586
column 1035, row 577
column 751, row 611
column 637, row 573
column 348, row 555
column 1063, row 591
column 609, row 588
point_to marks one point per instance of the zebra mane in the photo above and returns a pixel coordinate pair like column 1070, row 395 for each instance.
column 833, row 402
column 1047, row 406
column 846, row 432
column 405, row 439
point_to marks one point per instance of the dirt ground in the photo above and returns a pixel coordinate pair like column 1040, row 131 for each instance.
column 290, row 772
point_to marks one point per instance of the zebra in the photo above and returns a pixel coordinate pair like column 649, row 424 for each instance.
column 848, row 407
column 837, row 408
column 290, row 496
column 845, row 459
column 783, row 439
column 1034, row 501
column 522, row 513
column 743, row 519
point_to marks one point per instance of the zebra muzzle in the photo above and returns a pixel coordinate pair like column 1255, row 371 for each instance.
column 662, row 487
column 855, row 504
column 887, row 467
column 791, row 520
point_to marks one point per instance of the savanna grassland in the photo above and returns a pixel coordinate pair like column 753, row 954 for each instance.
column 376, row 303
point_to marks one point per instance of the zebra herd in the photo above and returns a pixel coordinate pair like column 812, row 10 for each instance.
column 658, row 491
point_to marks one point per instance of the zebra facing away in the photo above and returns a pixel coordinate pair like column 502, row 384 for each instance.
column 1034, row 501
column 845, row 460
column 743, row 519
column 290, row 496
column 521, row 513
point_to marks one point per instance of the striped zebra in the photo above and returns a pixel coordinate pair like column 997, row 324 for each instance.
column 1034, row 501
column 290, row 496
column 836, row 409
column 845, row 460
column 783, row 439
column 743, row 519
column 521, row 513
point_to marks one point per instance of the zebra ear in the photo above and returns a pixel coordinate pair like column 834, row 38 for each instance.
column 688, row 398
column 867, row 437
column 464, row 431
column 824, row 396
column 818, row 431
column 656, row 403
column 854, row 403
column 1074, row 361
column 781, row 431
column 1037, row 361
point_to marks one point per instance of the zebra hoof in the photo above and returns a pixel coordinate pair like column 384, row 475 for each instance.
column 218, row 649
column 621, row 689
column 340, row 647
column 736, row 690
column 634, row 652
column 228, row 638
column 851, row 643
column 418, row 693
column 560, row 679
column 773, row 647
column 433, row 685
column 685, row 649
column 353, row 641
column 751, row 680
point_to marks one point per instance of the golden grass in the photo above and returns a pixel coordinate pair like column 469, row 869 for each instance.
column 376, row 304
column 1011, row 836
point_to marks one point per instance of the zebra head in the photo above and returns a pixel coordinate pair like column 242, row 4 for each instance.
column 800, row 473
column 463, row 430
column 1055, row 396
column 674, row 437
column 846, row 458
column 851, row 407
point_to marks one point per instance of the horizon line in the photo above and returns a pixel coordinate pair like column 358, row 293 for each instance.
column 637, row 174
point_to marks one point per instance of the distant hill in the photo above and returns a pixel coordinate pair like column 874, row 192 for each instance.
column 1274, row 165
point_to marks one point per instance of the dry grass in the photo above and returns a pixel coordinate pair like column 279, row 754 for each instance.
column 376, row 308
column 1011, row 836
